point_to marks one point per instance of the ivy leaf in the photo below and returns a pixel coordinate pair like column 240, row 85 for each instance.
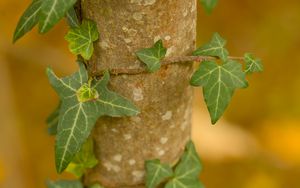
column 52, row 120
column 96, row 186
column 214, row 48
column 219, row 83
column 64, row 184
column 72, row 18
column 83, row 102
column 157, row 173
column 152, row 56
column 252, row 64
column 83, row 160
column 81, row 39
column 28, row 20
column 209, row 5
column 52, row 12
column 188, row 170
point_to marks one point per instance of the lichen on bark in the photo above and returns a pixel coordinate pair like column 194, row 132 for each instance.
column 164, row 98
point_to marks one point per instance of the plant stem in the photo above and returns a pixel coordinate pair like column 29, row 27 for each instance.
column 166, row 61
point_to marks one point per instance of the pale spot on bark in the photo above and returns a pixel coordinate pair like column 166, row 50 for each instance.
column 137, row 16
column 136, row 1
column 132, row 32
column 117, row 158
column 136, row 119
column 131, row 162
column 138, row 175
column 138, row 94
column 109, row 166
column 164, row 140
column 185, row 13
column 167, row 116
column 114, row 130
column 124, row 28
column 168, row 37
column 170, row 51
column 149, row 2
column 127, row 136
column 161, row 152
column 104, row 45
column 127, row 40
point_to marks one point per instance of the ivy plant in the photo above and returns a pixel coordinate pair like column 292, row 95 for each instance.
column 85, row 98
column 185, row 173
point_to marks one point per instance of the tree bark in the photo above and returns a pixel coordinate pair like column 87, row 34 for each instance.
column 163, row 127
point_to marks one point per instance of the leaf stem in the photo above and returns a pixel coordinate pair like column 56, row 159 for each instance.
column 164, row 62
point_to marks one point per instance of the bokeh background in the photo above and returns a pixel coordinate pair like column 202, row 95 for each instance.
column 256, row 144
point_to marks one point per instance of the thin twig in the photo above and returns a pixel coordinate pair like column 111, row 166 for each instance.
column 166, row 61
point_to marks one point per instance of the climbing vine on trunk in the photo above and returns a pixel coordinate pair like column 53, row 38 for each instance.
column 84, row 98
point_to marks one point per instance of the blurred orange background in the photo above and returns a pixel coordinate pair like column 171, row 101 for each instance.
column 256, row 144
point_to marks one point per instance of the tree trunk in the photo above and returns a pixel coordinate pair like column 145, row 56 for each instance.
column 163, row 127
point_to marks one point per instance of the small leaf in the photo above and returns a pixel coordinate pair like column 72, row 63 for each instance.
column 52, row 12
column 188, row 170
column 84, row 159
column 28, row 20
column 219, row 83
column 81, row 39
column 209, row 5
column 64, row 184
column 96, row 186
column 252, row 64
column 152, row 56
column 214, row 48
column 52, row 120
column 77, row 117
column 157, row 173
column 72, row 18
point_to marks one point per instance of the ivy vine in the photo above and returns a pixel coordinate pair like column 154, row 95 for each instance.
column 84, row 98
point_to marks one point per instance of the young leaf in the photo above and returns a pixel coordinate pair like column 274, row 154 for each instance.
column 52, row 12
column 219, row 83
column 209, row 5
column 83, row 160
column 80, row 110
column 188, row 170
column 52, row 120
column 72, row 18
column 252, row 64
column 214, row 48
column 28, row 20
column 152, row 56
column 64, row 184
column 96, row 186
column 81, row 39
column 157, row 173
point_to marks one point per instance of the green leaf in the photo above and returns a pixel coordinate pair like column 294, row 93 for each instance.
column 52, row 12
column 152, row 56
column 52, row 120
column 64, row 184
column 81, row 39
column 253, row 64
column 214, row 48
column 72, row 18
column 77, row 117
column 219, row 83
column 188, row 170
column 157, row 173
column 28, row 20
column 209, row 5
column 84, row 159
column 96, row 186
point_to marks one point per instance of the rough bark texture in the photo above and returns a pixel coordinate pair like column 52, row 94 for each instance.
column 164, row 98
